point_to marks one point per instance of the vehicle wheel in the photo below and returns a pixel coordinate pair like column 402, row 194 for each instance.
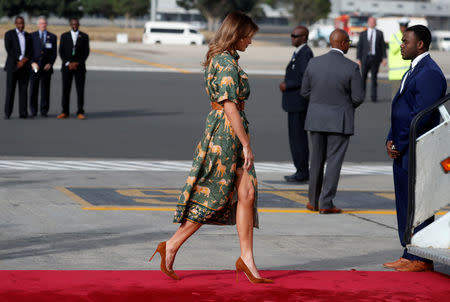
column 193, row 43
column 157, row 42
column 322, row 43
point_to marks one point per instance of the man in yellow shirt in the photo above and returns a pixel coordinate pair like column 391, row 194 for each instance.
column 397, row 66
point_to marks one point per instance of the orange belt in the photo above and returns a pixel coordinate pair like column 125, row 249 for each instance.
column 217, row 106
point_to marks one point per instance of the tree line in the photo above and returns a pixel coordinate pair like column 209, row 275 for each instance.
column 75, row 8
column 303, row 11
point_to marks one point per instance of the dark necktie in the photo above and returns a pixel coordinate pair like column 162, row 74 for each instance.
column 42, row 38
column 370, row 42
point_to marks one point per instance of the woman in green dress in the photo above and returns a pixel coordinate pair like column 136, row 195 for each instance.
column 223, row 160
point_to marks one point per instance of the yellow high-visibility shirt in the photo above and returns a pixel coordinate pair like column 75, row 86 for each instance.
column 397, row 66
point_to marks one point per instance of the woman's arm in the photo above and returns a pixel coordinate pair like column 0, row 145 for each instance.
column 232, row 113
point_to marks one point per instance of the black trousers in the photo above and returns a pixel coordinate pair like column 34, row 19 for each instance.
column 372, row 64
column 298, row 142
column 20, row 76
column 41, row 77
column 80, row 78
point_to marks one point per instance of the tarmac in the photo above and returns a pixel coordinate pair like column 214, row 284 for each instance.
column 261, row 58
column 113, row 220
column 67, row 220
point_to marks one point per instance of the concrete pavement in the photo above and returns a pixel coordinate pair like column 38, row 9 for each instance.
column 260, row 58
column 44, row 228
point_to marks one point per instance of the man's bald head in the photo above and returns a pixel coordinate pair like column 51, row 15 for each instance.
column 339, row 39
column 299, row 35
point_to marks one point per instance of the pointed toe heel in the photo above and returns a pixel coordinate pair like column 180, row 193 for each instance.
column 241, row 267
column 161, row 249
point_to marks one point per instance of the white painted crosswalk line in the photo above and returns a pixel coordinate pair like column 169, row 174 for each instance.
column 166, row 166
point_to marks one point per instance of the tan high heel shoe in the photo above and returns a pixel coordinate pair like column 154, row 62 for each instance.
column 240, row 266
column 161, row 249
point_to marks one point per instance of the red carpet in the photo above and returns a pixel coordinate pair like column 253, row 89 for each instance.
column 132, row 286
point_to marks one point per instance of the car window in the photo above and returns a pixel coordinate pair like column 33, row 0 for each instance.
column 193, row 31
column 167, row 30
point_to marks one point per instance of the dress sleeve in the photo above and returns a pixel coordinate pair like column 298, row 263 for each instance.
column 228, row 82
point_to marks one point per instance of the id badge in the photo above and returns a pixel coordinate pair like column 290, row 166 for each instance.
column 48, row 45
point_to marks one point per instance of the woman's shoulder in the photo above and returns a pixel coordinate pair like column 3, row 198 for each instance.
column 224, row 58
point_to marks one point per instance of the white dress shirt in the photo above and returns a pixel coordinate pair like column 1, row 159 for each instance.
column 298, row 48
column 74, row 36
column 21, row 36
column 43, row 35
column 370, row 32
column 413, row 64
column 295, row 53
column 338, row 50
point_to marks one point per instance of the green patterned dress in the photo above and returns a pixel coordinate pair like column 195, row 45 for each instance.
column 209, row 196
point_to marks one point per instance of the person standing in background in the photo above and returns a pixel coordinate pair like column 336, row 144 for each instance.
column 17, row 67
column 74, row 51
column 296, row 105
column 333, row 85
column 371, row 51
column 397, row 66
column 42, row 59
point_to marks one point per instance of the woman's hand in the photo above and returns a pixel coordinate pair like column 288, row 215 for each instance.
column 232, row 113
column 248, row 157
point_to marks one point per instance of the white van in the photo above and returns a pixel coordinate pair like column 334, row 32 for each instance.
column 171, row 33
column 442, row 39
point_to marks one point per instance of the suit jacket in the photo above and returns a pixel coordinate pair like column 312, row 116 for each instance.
column 43, row 54
column 81, row 50
column 362, row 50
column 424, row 86
column 334, row 87
column 12, row 47
column 292, row 100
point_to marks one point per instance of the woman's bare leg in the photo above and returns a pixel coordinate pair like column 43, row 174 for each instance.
column 244, row 219
column 185, row 231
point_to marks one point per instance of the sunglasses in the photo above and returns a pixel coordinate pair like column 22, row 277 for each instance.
column 297, row 36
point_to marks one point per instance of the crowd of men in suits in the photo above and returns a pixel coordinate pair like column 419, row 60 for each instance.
column 321, row 94
column 30, row 60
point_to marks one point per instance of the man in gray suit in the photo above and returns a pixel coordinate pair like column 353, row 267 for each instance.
column 334, row 87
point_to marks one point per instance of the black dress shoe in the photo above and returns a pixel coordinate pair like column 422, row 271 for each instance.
column 295, row 178
column 23, row 116
column 44, row 115
column 6, row 117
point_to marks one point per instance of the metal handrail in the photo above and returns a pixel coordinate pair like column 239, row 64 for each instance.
column 412, row 166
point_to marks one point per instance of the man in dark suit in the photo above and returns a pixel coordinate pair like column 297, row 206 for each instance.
column 295, row 105
column 18, row 47
column 74, row 51
column 42, row 60
column 422, row 86
column 371, row 52
column 333, row 85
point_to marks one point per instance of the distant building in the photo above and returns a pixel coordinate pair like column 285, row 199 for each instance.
column 435, row 11
column 168, row 10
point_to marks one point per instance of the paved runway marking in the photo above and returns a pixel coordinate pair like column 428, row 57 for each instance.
column 390, row 196
column 140, row 61
column 166, row 166
column 270, row 201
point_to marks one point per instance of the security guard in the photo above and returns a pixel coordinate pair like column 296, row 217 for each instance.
column 397, row 66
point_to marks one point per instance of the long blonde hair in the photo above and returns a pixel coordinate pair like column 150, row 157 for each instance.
column 235, row 26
